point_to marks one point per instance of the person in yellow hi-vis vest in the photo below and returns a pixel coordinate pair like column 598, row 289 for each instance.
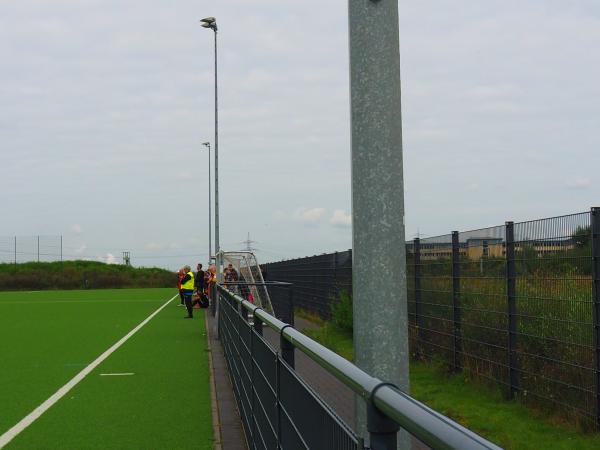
column 187, row 289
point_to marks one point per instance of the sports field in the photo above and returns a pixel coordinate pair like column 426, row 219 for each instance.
column 152, row 392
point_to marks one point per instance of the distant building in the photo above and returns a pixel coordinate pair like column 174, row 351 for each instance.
column 485, row 247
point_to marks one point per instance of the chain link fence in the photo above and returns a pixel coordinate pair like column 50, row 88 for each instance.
column 21, row 249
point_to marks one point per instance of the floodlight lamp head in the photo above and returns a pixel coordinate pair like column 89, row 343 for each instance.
column 206, row 144
column 209, row 22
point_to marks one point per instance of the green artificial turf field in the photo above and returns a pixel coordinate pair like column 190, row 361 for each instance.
column 46, row 338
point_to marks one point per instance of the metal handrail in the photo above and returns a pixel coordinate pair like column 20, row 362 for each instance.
column 430, row 427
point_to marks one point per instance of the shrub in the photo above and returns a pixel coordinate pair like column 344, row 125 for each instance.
column 341, row 312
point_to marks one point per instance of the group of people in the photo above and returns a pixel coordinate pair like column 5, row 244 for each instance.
column 230, row 275
column 237, row 283
column 195, row 288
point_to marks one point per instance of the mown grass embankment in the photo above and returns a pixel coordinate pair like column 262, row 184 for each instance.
column 81, row 275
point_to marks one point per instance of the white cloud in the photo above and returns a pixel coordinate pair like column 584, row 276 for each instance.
column 76, row 228
column 279, row 215
column 340, row 219
column 308, row 216
column 499, row 107
column 185, row 175
column 578, row 183
column 109, row 259
column 154, row 246
column 493, row 92
column 168, row 245
column 79, row 250
column 431, row 134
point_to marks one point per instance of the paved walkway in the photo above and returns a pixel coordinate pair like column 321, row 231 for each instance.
column 333, row 392
column 336, row 394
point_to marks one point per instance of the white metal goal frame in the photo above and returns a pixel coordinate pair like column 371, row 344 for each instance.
column 248, row 269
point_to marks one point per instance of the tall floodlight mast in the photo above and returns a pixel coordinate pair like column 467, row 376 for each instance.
column 211, row 23
column 207, row 145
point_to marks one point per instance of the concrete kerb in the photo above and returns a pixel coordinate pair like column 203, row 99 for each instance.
column 230, row 430
column 216, row 415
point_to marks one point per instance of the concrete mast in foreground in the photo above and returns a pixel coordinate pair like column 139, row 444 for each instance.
column 379, row 264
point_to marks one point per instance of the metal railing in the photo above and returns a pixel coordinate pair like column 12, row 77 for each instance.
column 282, row 292
column 280, row 411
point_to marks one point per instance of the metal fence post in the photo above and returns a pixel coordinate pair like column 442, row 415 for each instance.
column 511, row 291
column 217, row 312
column 456, row 301
column 335, row 278
column 418, row 306
column 595, row 231
column 278, row 399
column 211, row 295
column 252, row 388
column 383, row 431
column 258, row 325
column 291, row 304
column 287, row 349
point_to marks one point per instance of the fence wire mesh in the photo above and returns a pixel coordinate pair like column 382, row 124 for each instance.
column 278, row 409
column 317, row 280
column 554, row 311
column 517, row 305
column 483, row 324
column 21, row 249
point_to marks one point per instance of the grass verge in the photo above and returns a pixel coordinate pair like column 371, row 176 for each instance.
column 480, row 408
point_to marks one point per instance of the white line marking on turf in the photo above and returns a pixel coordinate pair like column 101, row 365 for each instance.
column 37, row 412
column 116, row 374
column 51, row 302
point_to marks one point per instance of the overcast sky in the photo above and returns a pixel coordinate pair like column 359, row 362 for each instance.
column 104, row 106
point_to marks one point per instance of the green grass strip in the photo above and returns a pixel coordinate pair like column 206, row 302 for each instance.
column 477, row 407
